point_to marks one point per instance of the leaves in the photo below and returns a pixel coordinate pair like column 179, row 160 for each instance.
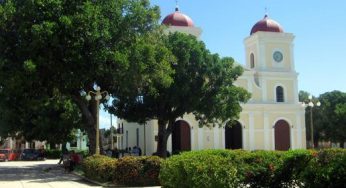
column 54, row 49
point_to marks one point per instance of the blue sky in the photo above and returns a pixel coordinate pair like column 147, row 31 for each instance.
column 319, row 28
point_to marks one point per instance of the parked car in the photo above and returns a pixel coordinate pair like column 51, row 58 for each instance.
column 3, row 156
column 8, row 155
column 32, row 154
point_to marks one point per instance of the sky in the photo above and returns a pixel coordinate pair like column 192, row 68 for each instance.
column 319, row 27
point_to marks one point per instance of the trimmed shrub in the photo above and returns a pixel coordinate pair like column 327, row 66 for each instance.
column 150, row 171
column 326, row 169
column 99, row 167
column 294, row 163
column 259, row 168
column 198, row 169
column 138, row 171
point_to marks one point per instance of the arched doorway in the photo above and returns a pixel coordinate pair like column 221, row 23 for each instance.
column 282, row 135
column 181, row 136
column 233, row 136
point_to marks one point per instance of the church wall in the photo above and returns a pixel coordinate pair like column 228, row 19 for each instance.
column 258, row 116
column 247, row 81
column 252, row 49
column 259, row 140
column 284, row 49
column 195, row 31
column 288, row 86
column 242, row 82
column 130, row 135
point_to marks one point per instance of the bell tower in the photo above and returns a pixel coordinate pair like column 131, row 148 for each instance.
column 269, row 48
column 269, row 54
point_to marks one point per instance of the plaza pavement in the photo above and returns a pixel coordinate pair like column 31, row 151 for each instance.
column 40, row 174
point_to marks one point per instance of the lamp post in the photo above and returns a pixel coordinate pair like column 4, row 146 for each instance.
column 97, row 96
column 112, row 144
column 311, row 104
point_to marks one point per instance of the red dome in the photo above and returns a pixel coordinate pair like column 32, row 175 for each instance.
column 267, row 25
column 178, row 19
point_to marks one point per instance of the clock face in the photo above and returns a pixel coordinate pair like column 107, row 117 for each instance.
column 277, row 56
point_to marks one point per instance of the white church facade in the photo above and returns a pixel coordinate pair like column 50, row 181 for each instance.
column 273, row 119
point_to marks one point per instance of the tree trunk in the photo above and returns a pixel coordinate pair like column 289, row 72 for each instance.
column 89, row 111
column 162, row 139
column 52, row 145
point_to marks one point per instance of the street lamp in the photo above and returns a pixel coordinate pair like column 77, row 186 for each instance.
column 311, row 105
column 97, row 96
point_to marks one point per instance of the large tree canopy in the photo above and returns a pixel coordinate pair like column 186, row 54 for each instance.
column 328, row 119
column 65, row 47
column 202, row 85
column 333, row 119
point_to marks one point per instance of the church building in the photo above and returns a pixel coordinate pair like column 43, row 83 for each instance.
column 273, row 119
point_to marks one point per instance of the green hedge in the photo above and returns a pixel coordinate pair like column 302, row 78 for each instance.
column 237, row 168
column 99, row 167
column 326, row 169
column 138, row 171
column 224, row 168
column 129, row 171
column 198, row 169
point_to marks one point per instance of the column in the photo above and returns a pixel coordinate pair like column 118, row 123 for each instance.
column 200, row 138
column 192, row 137
column 223, row 138
column 216, row 137
column 252, row 131
column 299, row 129
column 266, row 132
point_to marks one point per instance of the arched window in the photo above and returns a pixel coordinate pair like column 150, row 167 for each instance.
column 252, row 61
column 280, row 94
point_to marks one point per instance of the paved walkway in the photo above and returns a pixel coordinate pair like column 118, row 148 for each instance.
column 37, row 174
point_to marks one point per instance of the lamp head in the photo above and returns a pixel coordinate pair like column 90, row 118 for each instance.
column 88, row 97
column 107, row 97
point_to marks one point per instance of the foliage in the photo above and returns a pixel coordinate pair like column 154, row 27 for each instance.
column 326, row 169
column 294, row 162
column 54, row 50
column 259, row 168
column 296, row 168
column 138, row 171
column 202, row 85
column 99, row 167
column 333, row 118
column 53, row 153
column 198, row 169
column 83, row 153
column 329, row 119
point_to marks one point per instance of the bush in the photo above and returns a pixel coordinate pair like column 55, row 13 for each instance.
column 83, row 153
column 138, row 171
column 53, row 154
column 99, row 167
column 198, row 169
column 258, row 168
column 294, row 163
column 326, row 169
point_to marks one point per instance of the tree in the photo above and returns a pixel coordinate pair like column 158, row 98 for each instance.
column 317, row 121
column 333, row 116
column 66, row 47
column 202, row 85
column 47, row 119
